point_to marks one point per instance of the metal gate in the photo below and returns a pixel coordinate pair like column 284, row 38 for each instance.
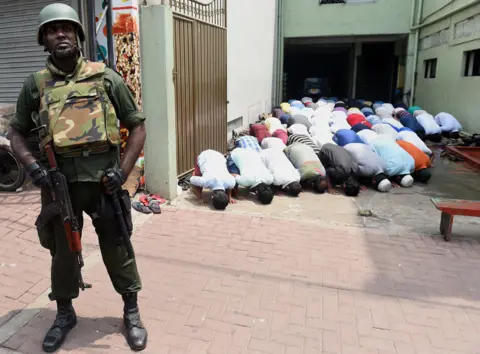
column 20, row 54
column 200, row 77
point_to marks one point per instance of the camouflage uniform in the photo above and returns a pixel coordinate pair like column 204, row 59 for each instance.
column 84, row 135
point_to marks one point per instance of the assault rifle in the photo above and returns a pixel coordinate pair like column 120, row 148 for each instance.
column 61, row 205
column 121, row 206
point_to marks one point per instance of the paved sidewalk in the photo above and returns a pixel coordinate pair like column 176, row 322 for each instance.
column 226, row 283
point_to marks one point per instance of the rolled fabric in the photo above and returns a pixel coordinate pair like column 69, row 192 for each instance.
column 340, row 104
column 340, row 109
column 368, row 103
column 368, row 114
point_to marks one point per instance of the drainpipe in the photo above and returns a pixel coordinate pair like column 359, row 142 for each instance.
column 278, row 59
column 110, row 49
column 415, row 50
column 92, row 43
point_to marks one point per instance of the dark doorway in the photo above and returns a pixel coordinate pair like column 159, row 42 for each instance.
column 376, row 78
column 329, row 63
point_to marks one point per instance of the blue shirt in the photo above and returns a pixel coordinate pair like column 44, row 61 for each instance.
column 411, row 122
column 346, row 136
column 248, row 142
column 398, row 161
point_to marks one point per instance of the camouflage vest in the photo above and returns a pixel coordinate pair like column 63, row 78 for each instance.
column 87, row 122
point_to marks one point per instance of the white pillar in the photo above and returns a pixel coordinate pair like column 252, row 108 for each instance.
column 157, row 62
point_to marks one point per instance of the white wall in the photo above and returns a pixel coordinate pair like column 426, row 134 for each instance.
column 251, row 38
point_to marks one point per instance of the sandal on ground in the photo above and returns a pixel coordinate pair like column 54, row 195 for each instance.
column 141, row 208
column 152, row 203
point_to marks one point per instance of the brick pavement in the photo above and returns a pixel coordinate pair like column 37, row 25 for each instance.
column 225, row 283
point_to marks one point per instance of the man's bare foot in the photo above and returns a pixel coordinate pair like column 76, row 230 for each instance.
column 363, row 187
column 233, row 201
column 395, row 185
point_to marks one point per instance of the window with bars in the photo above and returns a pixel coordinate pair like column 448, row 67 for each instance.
column 472, row 63
column 430, row 68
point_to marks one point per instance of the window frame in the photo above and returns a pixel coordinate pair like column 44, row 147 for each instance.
column 430, row 68
column 471, row 63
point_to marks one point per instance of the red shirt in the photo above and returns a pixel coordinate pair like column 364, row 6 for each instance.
column 356, row 118
column 282, row 135
column 259, row 131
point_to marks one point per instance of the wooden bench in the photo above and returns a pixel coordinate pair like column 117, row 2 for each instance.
column 452, row 207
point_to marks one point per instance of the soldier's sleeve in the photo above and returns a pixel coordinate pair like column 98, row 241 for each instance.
column 122, row 100
column 28, row 102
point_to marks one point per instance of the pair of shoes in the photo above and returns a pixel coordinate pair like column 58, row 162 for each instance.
column 66, row 320
column 153, row 202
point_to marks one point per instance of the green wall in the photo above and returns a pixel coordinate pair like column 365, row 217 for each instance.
column 450, row 91
column 306, row 18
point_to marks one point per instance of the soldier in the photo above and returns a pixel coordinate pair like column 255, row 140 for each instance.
column 82, row 101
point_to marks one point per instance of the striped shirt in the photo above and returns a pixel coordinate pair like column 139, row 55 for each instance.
column 303, row 139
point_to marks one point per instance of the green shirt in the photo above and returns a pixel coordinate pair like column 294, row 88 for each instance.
column 80, row 169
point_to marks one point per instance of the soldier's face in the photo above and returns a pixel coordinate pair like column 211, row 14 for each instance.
column 61, row 39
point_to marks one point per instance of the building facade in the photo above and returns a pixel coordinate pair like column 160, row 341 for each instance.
column 448, row 65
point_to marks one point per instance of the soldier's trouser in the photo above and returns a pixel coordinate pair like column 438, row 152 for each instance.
column 88, row 197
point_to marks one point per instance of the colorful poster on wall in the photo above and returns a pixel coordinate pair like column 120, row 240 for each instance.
column 127, row 57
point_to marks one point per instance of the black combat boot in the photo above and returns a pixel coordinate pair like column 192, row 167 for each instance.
column 136, row 332
column 65, row 321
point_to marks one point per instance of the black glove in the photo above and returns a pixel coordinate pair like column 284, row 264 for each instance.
column 39, row 175
column 113, row 181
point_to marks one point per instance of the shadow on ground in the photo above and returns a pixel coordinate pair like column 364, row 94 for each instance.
column 413, row 259
column 89, row 334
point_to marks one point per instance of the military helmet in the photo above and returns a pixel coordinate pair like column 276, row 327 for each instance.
column 58, row 12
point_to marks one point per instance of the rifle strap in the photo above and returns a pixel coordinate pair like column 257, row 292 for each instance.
column 47, row 213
